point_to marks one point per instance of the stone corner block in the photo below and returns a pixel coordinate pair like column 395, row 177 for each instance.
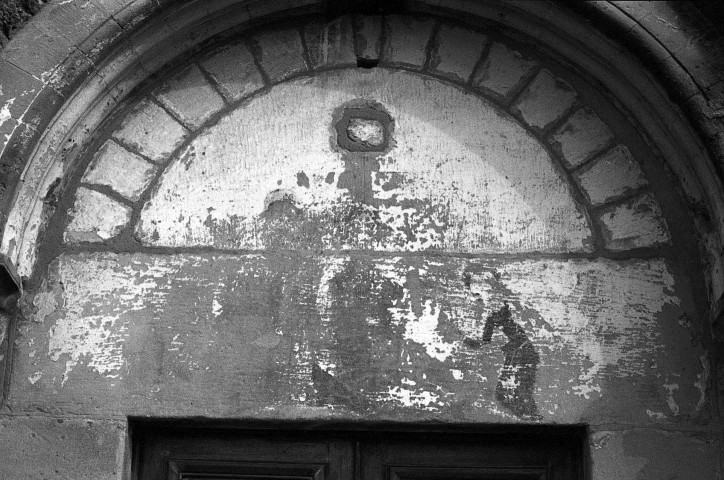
column 53, row 448
column 280, row 53
column 503, row 72
column 636, row 223
column 190, row 97
column 646, row 454
column 151, row 131
column 457, row 52
column 95, row 217
column 234, row 71
column 581, row 137
column 611, row 176
column 544, row 101
column 126, row 173
column 331, row 43
column 407, row 40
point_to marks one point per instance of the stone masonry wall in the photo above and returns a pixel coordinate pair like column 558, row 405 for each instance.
column 467, row 232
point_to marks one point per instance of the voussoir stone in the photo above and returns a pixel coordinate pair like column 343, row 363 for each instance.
column 95, row 217
column 280, row 53
column 191, row 97
column 331, row 43
column 234, row 71
column 504, row 71
column 582, row 136
column 457, row 52
column 151, row 130
column 545, row 100
column 610, row 176
column 125, row 172
column 407, row 41
column 636, row 223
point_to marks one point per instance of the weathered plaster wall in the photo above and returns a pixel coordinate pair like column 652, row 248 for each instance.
column 258, row 294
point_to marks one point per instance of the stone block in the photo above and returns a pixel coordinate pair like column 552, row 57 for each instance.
column 457, row 52
column 190, row 97
column 368, row 33
column 544, row 101
column 407, row 40
column 151, row 131
column 635, row 223
column 610, row 176
column 37, row 50
column 95, row 217
column 653, row 455
column 331, row 43
column 75, row 21
column 675, row 26
column 503, row 72
column 17, row 91
column 280, row 53
column 269, row 8
column 234, row 71
column 582, row 136
column 126, row 173
column 227, row 335
column 35, row 447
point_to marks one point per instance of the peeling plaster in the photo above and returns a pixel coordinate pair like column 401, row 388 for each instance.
column 5, row 111
column 472, row 181
column 393, row 332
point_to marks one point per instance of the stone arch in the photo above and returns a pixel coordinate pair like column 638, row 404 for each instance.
column 88, row 109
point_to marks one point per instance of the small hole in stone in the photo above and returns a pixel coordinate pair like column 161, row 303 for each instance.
column 367, row 62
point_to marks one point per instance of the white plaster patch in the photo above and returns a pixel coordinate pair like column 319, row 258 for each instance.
column 592, row 323
column 422, row 329
column 416, row 398
column 5, row 111
column 670, row 401
column 461, row 175
column 96, row 292
column 95, row 217
column 578, row 299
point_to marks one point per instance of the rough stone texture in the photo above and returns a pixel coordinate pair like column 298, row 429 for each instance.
column 331, row 43
column 37, row 447
column 190, row 97
column 368, row 30
column 697, row 471
column 636, row 223
column 407, row 40
column 151, row 131
column 457, row 52
column 545, row 100
column 568, row 341
column 653, row 455
column 583, row 135
column 126, row 173
column 281, row 54
column 370, row 132
column 611, row 176
column 234, row 71
column 443, row 186
column 14, row 14
column 95, row 217
column 17, row 91
column 504, row 71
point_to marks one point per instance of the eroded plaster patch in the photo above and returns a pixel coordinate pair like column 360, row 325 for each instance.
column 364, row 333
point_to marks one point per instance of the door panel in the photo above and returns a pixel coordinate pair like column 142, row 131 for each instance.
column 235, row 454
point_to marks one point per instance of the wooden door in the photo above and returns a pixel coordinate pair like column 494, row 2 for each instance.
column 269, row 454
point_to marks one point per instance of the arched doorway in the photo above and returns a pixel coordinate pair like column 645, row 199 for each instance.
column 402, row 218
